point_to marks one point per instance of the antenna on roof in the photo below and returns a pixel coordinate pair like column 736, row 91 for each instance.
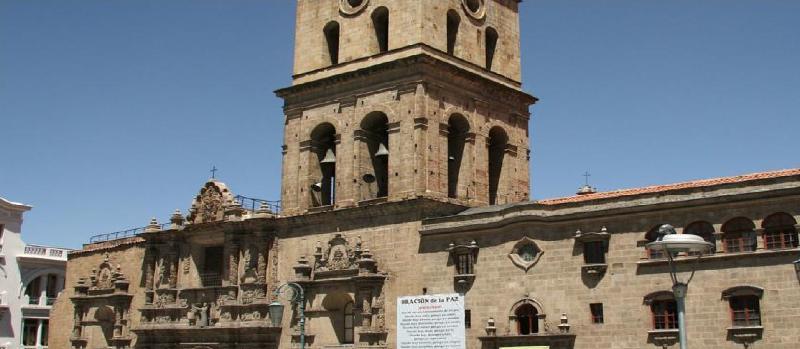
column 586, row 188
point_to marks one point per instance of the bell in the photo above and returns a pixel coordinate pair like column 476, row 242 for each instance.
column 330, row 157
column 382, row 151
column 451, row 158
column 316, row 187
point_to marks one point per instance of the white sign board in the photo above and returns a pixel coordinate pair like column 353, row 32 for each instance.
column 431, row 321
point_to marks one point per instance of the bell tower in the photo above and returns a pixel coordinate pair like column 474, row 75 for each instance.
column 393, row 100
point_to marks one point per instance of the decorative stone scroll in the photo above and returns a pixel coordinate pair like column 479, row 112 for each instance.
column 525, row 253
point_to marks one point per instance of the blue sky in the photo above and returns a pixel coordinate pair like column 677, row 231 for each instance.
column 113, row 112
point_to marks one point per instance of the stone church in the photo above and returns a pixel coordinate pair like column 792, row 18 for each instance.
column 405, row 172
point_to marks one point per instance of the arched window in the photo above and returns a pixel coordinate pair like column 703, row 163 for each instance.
column 323, row 165
column 457, row 128
column 498, row 140
column 739, row 235
column 491, row 45
column 375, row 129
column 331, row 32
column 651, row 236
column 348, row 323
column 380, row 21
column 702, row 229
column 527, row 319
column 453, row 22
column 779, row 231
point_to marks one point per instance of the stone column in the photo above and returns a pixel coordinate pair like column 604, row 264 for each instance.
column 760, row 243
column 117, row 321
column 719, row 242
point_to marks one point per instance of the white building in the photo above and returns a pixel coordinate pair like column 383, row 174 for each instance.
column 31, row 277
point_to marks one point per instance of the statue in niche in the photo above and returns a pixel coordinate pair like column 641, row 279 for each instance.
column 201, row 315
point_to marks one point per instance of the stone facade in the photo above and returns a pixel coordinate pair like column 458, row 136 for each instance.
column 405, row 172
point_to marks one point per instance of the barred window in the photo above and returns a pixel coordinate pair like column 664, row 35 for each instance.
column 739, row 235
column 780, row 232
column 745, row 311
column 664, row 314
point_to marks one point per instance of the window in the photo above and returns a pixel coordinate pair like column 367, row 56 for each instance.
column 651, row 236
column 498, row 140
column 322, row 167
column 30, row 328
column 596, row 310
column 467, row 318
column 491, row 45
column 52, row 288
column 45, row 333
column 745, row 310
column 527, row 319
column 213, row 260
column 664, row 314
column 349, row 318
column 739, row 235
column 453, row 22
column 331, row 32
column 594, row 252
column 780, row 231
column 380, row 21
column 702, row 229
column 34, row 291
column 457, row 128
column 464, row 263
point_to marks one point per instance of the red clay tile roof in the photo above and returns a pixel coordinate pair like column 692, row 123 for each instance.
column 668, row 187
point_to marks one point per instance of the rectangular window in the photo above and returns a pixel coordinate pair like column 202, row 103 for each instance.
column 52, row 288
column 464, row 263
column 467, row 318
column 664, row 314
column 745, row 311
column 597, row 312
column 34, row 291
column 594, row 252
column 45, row 334
column 213, row 260
column 29, row 329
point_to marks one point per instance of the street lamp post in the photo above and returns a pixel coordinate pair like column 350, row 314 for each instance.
column 276, row 309
column 671, row 244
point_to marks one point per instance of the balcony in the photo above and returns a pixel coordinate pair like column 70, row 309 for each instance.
column 35, row 253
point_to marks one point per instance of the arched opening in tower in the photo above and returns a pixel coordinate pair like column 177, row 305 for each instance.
column 498, row 140
column 457, row 128
column 375, row 128
column 380, row 21
column 323, row 166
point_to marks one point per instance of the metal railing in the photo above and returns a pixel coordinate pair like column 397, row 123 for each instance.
column 248, row 204
column 122, row 234
column 253, row 204
column 211, row 279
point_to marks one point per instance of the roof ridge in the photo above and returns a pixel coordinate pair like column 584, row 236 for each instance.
column 698, row 183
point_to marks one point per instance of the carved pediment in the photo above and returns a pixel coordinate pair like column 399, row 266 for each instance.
column 105, row 278
column 337, row 256
column 210, row 204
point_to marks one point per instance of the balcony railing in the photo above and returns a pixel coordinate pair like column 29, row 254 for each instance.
column 44, row 251
column 248, row 204
column 253, row 204
column 122, row 234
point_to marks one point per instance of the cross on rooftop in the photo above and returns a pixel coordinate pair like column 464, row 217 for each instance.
column 587, row 175
column 213, row 172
